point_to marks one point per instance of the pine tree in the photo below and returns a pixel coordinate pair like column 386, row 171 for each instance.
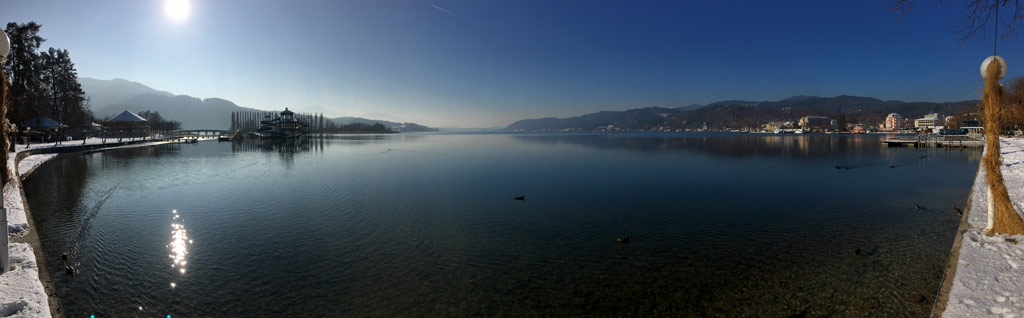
column 67, row 98
column 27, row 95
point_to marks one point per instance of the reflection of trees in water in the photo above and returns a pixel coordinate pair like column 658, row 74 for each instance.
column 56, row 182
column 732, row 145
column 286, row 148
column 143, row 151
column 56, row 195
column 317, row 142
column 68, row 174
column 282, row 145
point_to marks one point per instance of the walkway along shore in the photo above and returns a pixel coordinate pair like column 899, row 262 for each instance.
column 28, row 289
column 985, row 274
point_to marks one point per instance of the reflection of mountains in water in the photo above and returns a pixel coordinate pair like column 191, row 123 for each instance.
column 723, row 144
column 366, row 139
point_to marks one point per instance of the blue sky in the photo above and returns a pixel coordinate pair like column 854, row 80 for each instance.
column 488, row 63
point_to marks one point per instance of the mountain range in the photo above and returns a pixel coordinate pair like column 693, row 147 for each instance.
column 110, row 97
column 737, row 114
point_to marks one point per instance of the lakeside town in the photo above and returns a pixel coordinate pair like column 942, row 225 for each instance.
column 894, row 123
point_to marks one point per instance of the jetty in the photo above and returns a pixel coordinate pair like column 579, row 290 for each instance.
column 936, row 141
column 194, row 135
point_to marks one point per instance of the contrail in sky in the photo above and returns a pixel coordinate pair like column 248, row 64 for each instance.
column 442, row 9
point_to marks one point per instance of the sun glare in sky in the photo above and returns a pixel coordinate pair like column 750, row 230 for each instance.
column 177, row 10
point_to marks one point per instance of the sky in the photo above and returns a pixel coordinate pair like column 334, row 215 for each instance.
column 453, row 63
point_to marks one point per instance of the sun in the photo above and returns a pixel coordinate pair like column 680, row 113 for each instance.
column 177, row 10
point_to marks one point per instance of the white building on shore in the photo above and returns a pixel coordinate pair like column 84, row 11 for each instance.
column 932, row 121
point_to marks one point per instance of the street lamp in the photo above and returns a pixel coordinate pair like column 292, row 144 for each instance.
column 5, row 258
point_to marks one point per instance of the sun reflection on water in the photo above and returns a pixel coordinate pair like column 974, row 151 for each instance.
column 179, row 244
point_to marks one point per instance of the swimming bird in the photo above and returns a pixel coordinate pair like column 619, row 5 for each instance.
column 916, row 298
column 957, row 210
column 521, row 198
column 623, row 239
column 892, row 166
column 917, row 207
column 837, row 168
column 64, row 256
column 71, row 269
column 801, row 314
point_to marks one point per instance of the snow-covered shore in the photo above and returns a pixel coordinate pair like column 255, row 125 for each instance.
column 21, row 292
column 989, row 279
column 30, row 163
column 17, row 220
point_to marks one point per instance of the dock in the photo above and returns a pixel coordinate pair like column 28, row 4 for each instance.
column 936, row 141
column 194, row 135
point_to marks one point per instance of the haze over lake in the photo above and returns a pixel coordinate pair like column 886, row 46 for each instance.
column 425, row 225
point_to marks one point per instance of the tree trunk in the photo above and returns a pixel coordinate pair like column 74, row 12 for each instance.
column 1005, row 219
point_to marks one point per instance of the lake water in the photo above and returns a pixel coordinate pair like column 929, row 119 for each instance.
column 425, row 225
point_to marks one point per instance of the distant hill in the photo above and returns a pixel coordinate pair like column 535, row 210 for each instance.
column 400, row 127
column 741, row 114
column 643, row 117
column 689, row 107
column 110, row 97
column 799, row 98
column 106, row 92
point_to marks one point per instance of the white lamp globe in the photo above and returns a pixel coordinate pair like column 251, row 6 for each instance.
column 1002, row 66
column 5, row 45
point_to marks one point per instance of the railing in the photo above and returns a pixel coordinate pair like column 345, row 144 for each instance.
column 936, row 140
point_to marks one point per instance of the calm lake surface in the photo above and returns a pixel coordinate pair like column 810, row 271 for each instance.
column 425, row 225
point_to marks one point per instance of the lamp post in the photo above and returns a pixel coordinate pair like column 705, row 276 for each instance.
column 5, row 258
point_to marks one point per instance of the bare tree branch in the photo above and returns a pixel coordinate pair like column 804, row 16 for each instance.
column 978, row 18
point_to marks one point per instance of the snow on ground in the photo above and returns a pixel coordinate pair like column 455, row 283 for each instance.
column 32, row 162
column 22, row 294
column 17, row 223
column 90, row 141
column 989, row 280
